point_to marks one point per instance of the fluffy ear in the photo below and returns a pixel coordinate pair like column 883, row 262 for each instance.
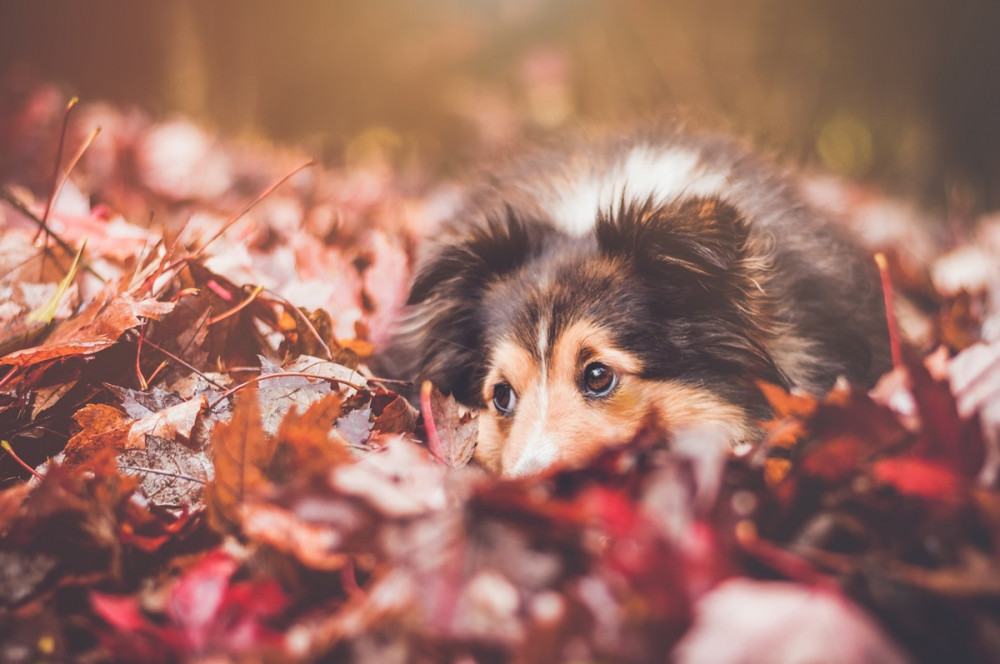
column 442, row 336
column 696, row 259
column 463, row 263
column 699, row 241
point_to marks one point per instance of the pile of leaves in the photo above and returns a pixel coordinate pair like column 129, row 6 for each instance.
column 200, row 465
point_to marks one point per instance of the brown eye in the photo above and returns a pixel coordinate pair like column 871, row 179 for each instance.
column 598, row 380
column 504, row 399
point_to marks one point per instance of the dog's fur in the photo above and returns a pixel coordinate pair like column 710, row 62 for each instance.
column 682, row 264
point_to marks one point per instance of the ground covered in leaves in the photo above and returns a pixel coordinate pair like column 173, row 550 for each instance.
column 199, row 464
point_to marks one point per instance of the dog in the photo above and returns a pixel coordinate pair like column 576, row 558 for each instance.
column 583, row 291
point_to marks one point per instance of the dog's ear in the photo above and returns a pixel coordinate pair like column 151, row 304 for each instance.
column 442, row 335
column 462, row 263
column 703, row 271
column 700, row 242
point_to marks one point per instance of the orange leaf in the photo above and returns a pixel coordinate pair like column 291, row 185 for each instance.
column 98, row 327
column 784, row 404
column 102, row 427
column 308, row 441
column 240, row 453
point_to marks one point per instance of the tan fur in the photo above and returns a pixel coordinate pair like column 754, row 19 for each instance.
column 555, row 423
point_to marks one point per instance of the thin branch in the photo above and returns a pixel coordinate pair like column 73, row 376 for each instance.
column 10, row 450
column 236, row 217
column 239, row 307
column 890, row 310
column 16, row 203
column 55, row 169
column 183, row 363
column 154, row 471
column 305, row 320
column 281, row 374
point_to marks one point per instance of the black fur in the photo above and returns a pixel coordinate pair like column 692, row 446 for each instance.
column 704, row 290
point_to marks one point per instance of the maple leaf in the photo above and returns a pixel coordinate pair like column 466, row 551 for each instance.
column 946, row 435
column 241, row 454
column 169, row 473
column 106, row 427
column 307, row 442
column 101, row 427
column 451, row 435
column 97, row 327
column 392, row 413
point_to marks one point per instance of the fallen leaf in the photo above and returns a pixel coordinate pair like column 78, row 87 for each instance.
column 241, row 454
column 456, row 432
column 97, row 327
column 101, row 428
column 307, row 442
column 169, row 473
column 748, row 622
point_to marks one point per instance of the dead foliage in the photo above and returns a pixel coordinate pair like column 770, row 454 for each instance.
column 221, row 476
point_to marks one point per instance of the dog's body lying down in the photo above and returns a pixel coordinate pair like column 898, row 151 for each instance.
column 580, row 293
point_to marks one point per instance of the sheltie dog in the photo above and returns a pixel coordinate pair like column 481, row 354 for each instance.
column 582, row 292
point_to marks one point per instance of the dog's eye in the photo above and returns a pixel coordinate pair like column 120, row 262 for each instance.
column 598, row 380
column 504, row 398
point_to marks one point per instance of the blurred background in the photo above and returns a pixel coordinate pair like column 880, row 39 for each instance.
column 904, row 93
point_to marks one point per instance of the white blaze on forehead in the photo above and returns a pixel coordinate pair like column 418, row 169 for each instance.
column 644, row 172
column 539, row 451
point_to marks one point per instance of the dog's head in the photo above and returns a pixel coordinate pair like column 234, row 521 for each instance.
column 567, row 344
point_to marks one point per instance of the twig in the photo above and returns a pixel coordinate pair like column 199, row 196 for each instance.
column 433, row 440
column 281, row 374
column 305, row 319
column 10, row 450
column 69, row 169
column 183, row 363
column 890, row 310
column 239, row 307
column 55, row 169
column 8, row 196
column 236, row 217
column 154, row 471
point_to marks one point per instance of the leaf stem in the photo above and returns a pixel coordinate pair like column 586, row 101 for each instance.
column 10, row 450
column 890, row 310
column 433, row 440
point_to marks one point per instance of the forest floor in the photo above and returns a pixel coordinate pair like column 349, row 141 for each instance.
column 198, row 464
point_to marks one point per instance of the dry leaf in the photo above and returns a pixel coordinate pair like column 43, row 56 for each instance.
column 241, row 454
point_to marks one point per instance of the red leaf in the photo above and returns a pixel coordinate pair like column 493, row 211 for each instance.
column 196, row 599
column 913, row 476
column 955, row 441
column 121, row 612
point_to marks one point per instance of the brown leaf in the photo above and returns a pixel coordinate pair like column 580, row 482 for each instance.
column 102, row 427
column 393, row 413
column 11, row 500
column 313, row 544
column 175, row 422
column 105, row 427
column 784, row 404
column 47, row 397
column 456, row 432
column 169, row 473
column 240, row 454
column 307, row 442
column 99, row 326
